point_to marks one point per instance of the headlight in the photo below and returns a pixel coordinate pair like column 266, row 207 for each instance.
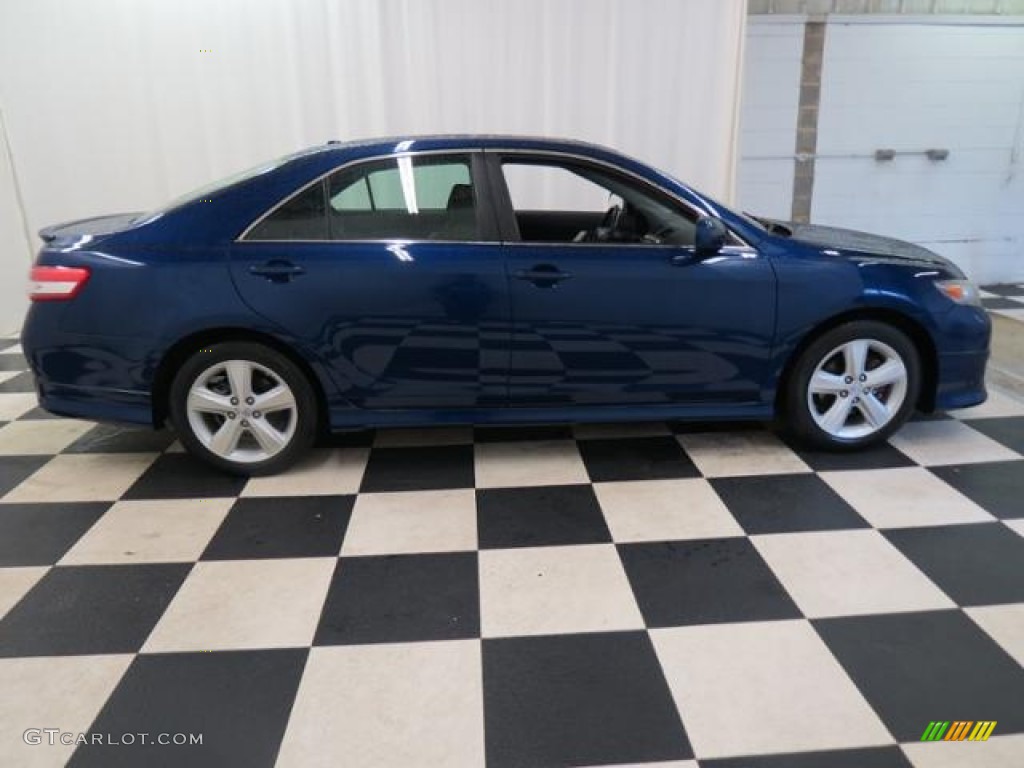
column 960, row 291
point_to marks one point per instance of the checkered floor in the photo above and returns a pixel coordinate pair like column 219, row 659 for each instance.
column 1006, row 300
column 678, row 595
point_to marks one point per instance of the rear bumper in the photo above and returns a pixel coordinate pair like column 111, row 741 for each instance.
column 85, row 376
column 95, row 403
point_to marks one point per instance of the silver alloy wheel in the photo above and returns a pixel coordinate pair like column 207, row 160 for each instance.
column 242, row 411
column 857, row 389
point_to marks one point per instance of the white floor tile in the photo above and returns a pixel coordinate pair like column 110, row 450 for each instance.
column 15, row 404
column 1005, row 624
column 245, row 604
column 154, row 531
column 64, row 692
column 732, row 454
column 997, row 752
column 552, row 590
column 543, row 462
column 665, row 510
column 83, row 477
column 1015, row 525
column 321, row 473
column 15, row 583
column 763, row 687
column 414, row 521
column 933, row 443
column 998, row 405
column 846, row 573
column 39, row 438
column 426, row 711
column 904, row 497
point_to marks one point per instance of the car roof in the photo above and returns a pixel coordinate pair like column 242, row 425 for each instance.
column 398, row 144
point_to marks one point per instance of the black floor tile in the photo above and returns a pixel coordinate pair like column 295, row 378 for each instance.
column 419, row 469
column 980, row 564
column 289, row 526
column 40, row 534
column 636, row 458
column 547, row 515
column 708, row 581
column 358, row 438
column 112, row 438
column 503, row 434
column 90, row 610
column 695, row 427
column 997, row 487
column 883, row 456
column 23, row 382
column 1004, row 289
column 402, row 598
column 786, row 504
column 1008, row 431
column 179, row 476
column 869, row 757
column 917, row 667
column 14, row 469
column 1002, row 303
column 238, row 700
column 38, row 414
column 578, row 700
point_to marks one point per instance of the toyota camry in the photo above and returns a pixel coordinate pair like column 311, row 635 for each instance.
column 462, row 279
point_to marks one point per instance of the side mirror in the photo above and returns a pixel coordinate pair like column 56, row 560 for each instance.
column 711, row 236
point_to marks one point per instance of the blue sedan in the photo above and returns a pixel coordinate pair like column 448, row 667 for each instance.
column 466, row 279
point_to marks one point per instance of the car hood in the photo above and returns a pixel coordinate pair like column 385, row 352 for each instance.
column 96, row 226
column 863, row 243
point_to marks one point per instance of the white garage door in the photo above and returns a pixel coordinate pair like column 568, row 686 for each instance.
column 917, row 86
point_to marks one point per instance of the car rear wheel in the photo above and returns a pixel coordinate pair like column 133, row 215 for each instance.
column 853, row 386
column 244, row 408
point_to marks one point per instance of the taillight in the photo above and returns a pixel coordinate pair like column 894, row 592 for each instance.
column 56, row 283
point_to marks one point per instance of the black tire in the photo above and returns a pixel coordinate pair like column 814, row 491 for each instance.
column 305, row 414
column 796, row 408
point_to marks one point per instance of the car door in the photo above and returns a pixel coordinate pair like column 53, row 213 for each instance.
column 612, row 305
column 388, row 270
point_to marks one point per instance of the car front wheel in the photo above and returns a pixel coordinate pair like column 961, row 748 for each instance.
column 244, row 408
column 853, row 386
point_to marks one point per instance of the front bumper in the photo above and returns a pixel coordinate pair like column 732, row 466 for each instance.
column 963, row 351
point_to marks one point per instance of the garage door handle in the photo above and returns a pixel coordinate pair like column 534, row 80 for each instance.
column 542, row 275
column 277, row 271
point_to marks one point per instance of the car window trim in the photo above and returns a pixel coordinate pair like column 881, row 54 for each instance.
column 485, row 212
column 493, row 197
column 503, row 199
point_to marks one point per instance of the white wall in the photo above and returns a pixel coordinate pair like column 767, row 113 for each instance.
column 768, row 114
column 904, row 83
column 114, row 105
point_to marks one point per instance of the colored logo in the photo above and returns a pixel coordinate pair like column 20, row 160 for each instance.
column 958, row 730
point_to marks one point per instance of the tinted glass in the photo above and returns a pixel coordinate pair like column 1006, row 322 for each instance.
column 301, row 218
column 405, row 198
